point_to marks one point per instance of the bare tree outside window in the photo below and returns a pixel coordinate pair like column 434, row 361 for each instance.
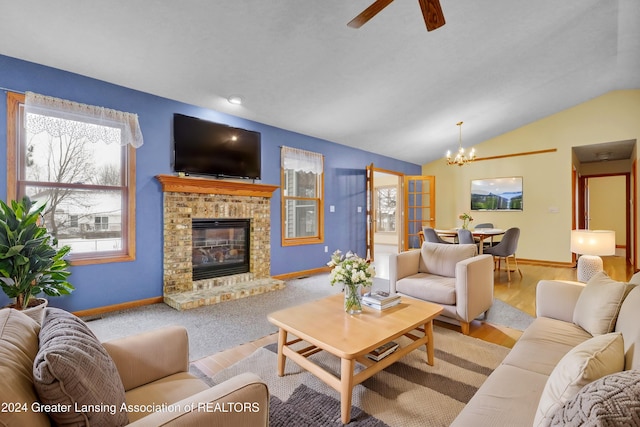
column 385, row 205
column 81, row 183
column 79, row 160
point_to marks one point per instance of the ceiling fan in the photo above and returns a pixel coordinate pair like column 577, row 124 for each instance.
column 431, row 11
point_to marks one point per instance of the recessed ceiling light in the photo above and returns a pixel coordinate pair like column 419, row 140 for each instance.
column 235, row 100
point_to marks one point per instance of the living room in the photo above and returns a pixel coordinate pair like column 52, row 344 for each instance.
column 540, row 151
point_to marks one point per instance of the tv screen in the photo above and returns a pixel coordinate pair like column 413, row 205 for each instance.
column 207, row 148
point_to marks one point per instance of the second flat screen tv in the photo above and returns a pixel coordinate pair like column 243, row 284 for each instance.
column 207, row 148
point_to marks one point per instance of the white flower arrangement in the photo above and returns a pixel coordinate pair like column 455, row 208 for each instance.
column 350, row 269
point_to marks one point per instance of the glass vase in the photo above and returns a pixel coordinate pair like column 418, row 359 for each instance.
column 352, row 299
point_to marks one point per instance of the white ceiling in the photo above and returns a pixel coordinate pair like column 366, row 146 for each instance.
column 389, row 87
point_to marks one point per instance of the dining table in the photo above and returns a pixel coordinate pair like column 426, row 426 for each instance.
column 480, row 233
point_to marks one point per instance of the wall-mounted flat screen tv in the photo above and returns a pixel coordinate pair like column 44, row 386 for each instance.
column 206, row 148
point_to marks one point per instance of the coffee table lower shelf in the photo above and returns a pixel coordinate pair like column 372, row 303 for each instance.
column 348, row 378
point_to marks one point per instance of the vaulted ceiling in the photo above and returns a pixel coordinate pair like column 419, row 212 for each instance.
column 389, row 87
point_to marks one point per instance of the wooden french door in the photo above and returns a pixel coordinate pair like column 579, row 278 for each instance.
column 419, row 208
column 370, row 213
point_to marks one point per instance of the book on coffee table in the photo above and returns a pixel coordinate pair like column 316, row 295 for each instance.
column 380, row 297
column 378, row 306
column 383, row 351
column 380, row 300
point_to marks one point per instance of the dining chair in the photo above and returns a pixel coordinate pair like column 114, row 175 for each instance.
column 465, row 237
column 430, row 235
column 506, row 248
column 485, row 225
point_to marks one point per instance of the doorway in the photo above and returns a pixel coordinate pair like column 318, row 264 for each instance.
column 604, row 179
column 604, row 207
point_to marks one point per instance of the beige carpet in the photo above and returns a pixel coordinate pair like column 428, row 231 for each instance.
column 407, row 393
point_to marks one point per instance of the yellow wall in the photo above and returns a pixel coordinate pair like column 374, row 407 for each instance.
column 607, row 205
column 546, row 220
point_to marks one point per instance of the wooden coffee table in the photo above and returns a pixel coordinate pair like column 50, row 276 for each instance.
column 325, row 325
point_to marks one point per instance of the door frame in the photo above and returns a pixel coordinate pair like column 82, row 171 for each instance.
column 371, row 219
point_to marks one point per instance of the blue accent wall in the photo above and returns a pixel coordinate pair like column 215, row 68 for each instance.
column 113, row 283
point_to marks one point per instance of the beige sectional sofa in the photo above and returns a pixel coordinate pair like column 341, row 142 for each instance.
column 568, row 346
column 59, row 374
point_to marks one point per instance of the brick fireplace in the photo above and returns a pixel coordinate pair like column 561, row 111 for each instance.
column 187, row 199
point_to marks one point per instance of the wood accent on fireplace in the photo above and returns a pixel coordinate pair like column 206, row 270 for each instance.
column 190, row 184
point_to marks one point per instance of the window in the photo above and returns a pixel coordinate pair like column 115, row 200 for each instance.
column 80, row 168
column 102, row 223
column 302, row 175
column 385, row 205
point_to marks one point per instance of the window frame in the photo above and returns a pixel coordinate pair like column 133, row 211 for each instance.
column 128, row 252
column 306, row 240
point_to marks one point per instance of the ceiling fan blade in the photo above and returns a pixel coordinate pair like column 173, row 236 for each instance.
column 432, row 13
column 369, row 13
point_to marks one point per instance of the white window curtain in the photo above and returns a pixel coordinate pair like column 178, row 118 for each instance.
column 61, row 117
column 301, row 160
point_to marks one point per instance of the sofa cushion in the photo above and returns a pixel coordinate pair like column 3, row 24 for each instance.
column 509, row 397
column 627, row 323
column 428, row 287
column 599, row 356
column 168, row 390
column 611, row 400
column 544, row 343
column 73, row 369
column 599, row 303
column 18, row 348
column 441, row 259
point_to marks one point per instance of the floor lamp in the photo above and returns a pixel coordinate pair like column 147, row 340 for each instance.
column 590, row 244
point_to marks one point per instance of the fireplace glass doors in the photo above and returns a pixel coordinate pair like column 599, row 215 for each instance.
column 220, row 247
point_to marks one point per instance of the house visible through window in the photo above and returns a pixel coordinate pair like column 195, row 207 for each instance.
column 86, row 182
column 302, row 197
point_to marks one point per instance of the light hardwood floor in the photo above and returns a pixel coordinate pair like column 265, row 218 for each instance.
column 520, row 293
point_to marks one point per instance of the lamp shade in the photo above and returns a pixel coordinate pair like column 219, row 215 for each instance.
column 593, row 242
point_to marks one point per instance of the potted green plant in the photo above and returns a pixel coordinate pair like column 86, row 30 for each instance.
column 30, row 262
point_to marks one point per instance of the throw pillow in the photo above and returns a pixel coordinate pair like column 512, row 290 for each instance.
column 593, row 359
column 598, row 305
column 73, row 370
column 611, row 400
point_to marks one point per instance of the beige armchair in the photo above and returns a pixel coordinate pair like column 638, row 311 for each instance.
column 70, row 366
column 154, row 368
column 449, row 275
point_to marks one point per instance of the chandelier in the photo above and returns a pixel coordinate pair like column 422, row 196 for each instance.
column 461, row 158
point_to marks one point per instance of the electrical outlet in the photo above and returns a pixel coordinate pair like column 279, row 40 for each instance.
column 326, row 248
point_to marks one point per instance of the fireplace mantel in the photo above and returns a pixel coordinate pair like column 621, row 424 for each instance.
column 178, row 184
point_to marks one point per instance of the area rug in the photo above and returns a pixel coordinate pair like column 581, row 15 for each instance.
column 407, row 393
column 222, row 326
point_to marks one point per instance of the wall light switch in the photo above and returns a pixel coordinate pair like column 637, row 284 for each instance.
column 326, row 248
column 332, row 208
column 359, row 209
